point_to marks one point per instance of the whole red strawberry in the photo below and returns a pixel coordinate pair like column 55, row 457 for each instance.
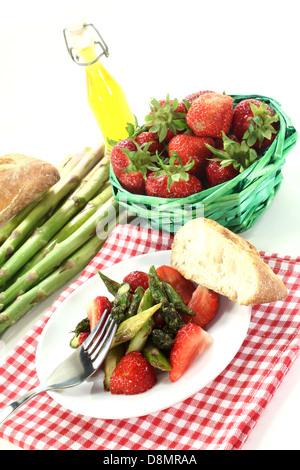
column 189, row 146
column 158, row 186
column 210, row 114
column 230, row 157
column 132, row 375
column 131, row 164
column 254, row 121
column 166, row 118
column 216, row 174
column 133, row 182
column 136, row 279
column 145, row 137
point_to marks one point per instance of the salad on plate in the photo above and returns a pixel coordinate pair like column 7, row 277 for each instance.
column 161, row 318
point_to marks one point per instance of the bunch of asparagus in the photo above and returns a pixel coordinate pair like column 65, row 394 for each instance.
column 52, row 240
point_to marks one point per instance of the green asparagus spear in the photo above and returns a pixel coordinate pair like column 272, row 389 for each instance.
column 176, row 300
column 129, row 327
column 146, row 302
column 71, row 161
column 135, row 302
column 163, row 338
column 121, row 303
column 70, row 227
column 49, row 201
column 139, row 340
column 12, row 224
column 156, row 357
column 45, row 232
column 105, row 214
column 82, row 327
column 66, row 166
column 71, row 267
column 169, row 313
column 111, row 285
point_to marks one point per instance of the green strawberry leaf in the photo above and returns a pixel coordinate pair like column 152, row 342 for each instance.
column 164, row 116
column 175, row 172
column 260, row 124
column 141, row 160
column 240, row 155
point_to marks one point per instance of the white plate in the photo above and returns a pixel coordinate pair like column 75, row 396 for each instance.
column 228, row 330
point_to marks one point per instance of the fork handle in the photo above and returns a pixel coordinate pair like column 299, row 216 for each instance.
column 14, row 405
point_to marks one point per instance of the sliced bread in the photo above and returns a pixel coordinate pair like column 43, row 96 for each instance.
column 210, row 254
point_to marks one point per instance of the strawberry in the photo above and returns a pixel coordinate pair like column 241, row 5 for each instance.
column 210, row 114
column 219, row 143
column 183, row 287
column 96, row 308
column 131, row 164
column 132, row 375
column 157, row 186
column 204, row 303
column 190, row 341
column 192, row 96
column 232, row 157
column 136, row 279
column 133, row 182
column 216, row 174
column 119, row 160
column 145, row 137
column 192, row 147
column 254, row 121
column 166, row 118
column 173, row 180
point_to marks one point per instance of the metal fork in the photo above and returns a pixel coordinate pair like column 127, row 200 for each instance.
column 78, row 367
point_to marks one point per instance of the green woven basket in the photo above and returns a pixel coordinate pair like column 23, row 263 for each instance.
column 236, row 204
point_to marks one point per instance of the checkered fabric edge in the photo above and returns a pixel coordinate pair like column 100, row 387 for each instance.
column 220, row 416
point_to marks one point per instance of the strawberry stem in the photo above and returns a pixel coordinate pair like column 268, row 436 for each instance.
column 175, row 172
column 237, row 154
column 260, row 124
column 163, row 116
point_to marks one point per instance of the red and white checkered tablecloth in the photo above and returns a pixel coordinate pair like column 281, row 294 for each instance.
column 220, row 416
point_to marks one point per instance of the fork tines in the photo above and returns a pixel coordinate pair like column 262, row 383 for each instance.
column 101, row 337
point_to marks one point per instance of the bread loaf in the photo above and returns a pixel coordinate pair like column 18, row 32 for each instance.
column 22, row 180
column 209, row 254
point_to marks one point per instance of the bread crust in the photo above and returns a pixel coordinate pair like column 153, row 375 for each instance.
column 210, row 254
column 22, row 180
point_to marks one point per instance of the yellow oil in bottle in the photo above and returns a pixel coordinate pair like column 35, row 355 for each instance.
column 106, row 97
column 108, row 102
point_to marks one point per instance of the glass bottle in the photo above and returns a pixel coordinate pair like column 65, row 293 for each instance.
column 106, row 98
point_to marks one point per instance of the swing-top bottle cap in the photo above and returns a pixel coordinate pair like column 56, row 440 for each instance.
column 81, row 36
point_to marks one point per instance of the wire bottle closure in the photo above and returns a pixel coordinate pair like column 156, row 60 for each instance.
column 95, row 37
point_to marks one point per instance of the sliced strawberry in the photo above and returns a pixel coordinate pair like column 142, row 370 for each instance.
column 136, row 279
column 132, row 375
column 204, row 303
column 190, row 341
column 82, row 337
column 97, row 307
column 183, row 287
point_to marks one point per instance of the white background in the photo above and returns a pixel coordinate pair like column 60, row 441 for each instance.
column 156, row 47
